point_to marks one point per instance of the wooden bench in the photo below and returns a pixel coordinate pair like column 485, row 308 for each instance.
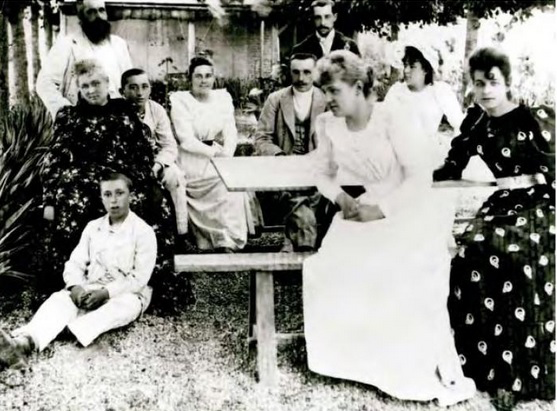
column 261, row 321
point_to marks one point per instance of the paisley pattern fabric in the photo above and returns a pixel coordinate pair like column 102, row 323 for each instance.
column 92, row 140
column 502, row 282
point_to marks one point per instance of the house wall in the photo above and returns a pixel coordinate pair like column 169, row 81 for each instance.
column 235, row 42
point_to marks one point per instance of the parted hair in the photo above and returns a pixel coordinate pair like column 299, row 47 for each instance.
column 345, row 66
column 486, row 58
column 130, row 73
column 113, row 176
column 88, row 66
column 303, row 56
column 201, row 60
column 323, row 3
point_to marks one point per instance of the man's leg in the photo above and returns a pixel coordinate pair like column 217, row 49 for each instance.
column 116, row 312
column 50, row 319
column 300, row 223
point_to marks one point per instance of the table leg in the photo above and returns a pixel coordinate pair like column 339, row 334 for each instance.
column 252, row 337
column 266, row 336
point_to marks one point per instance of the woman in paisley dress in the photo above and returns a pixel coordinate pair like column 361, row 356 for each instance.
column 502, row 281
column 375, row 294
column 205, row 128
column 96, row 136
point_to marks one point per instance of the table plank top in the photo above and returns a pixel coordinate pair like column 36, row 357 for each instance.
column 278, row 173
column 213, row 263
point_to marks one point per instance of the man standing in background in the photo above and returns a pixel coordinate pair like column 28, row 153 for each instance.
column 326, row 38
column 56, row 83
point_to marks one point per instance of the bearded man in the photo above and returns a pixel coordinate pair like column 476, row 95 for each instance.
column 56, row 85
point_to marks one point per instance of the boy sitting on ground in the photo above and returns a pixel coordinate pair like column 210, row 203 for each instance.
column 106, row 280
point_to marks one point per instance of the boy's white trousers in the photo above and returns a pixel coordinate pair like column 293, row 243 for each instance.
column 59, row 311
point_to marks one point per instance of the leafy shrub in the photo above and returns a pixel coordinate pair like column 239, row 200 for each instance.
column 25, row 133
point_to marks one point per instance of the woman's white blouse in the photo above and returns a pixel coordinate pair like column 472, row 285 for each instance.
column 390, row 158
column 196, row 121
column 434, row 101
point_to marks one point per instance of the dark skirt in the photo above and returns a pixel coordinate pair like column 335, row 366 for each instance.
column 502, row 300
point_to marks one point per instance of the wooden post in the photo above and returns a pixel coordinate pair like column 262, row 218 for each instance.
column 35, row 32
column 252, row 337
column 262, row 47
column 4, row 75
column 266, row 337
column 47, row 24
column 275, row 44
column 472, row 29
column 19, row 55
column 191, row 40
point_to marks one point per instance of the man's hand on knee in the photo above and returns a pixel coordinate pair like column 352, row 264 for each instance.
column 77, row 294
column 95, row 298
column 171, row 178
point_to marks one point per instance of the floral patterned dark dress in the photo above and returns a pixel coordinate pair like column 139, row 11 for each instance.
column 90, row 141
column 502, row 281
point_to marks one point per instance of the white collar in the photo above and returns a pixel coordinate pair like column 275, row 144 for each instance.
column 328, row 37
column 302, row 94
column 109, row 227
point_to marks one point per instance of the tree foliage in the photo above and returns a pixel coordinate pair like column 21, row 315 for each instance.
column 385, row 16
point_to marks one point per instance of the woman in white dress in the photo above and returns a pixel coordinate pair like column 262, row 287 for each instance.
column 205, row 127
column 375, row 294
column 430, row 98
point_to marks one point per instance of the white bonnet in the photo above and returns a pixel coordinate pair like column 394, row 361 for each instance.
column 430, row 54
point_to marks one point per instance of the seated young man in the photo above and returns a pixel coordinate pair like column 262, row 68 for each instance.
column 136, row 89
column 287, row 127
column 106, row 280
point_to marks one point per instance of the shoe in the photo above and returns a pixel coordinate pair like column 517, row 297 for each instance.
column 14, row 351
column 305, row 248
column 224, row 250
column 461, row 391
column 504, row 400
column 287, row 246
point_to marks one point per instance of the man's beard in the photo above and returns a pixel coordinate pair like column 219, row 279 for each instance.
column 96, row 31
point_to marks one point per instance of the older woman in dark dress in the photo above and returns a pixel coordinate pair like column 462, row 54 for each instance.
column 502, row 281
column 96, row 136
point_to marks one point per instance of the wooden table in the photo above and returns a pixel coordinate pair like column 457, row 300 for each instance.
column 279, row 173
column 267, row 174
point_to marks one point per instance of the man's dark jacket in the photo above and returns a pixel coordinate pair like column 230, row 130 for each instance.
column 311, row 45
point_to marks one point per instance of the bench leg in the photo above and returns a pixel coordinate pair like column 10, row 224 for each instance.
column 252, row 337
column 266, row 337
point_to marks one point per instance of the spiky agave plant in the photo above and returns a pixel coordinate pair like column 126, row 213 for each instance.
column 25, row 133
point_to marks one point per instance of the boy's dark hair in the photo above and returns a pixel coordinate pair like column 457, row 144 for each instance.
column 113, row 176
column 303, row 56
column 130, row 73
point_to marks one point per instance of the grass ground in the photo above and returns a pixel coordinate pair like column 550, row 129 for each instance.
column 194, row 361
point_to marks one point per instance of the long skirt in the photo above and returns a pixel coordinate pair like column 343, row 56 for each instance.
column 217, row 217
column 375, row 309
column 502, row 302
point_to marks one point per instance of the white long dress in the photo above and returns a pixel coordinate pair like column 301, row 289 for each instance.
column 430, row 104
column 218, row 218
column 375, row 293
